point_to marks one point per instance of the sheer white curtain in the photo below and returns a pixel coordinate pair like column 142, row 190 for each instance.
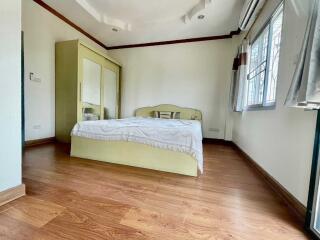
column 239, row 77
column 305, row 87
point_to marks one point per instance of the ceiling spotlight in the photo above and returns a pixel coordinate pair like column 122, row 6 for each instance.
column 115, row 29
column 197, row 11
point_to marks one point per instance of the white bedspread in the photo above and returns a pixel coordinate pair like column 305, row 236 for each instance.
column 172, row 134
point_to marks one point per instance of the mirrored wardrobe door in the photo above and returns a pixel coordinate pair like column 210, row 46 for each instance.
column 110, row 94
column 91, row 94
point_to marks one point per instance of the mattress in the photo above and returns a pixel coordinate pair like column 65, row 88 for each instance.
column 171, row 134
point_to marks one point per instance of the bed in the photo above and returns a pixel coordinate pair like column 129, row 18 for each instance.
column 169, row 145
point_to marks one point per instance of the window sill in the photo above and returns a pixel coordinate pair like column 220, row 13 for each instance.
column 260, row 107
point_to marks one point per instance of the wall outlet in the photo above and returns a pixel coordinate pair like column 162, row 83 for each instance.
column 33, row 78
column 36, row 127
column 214, row 130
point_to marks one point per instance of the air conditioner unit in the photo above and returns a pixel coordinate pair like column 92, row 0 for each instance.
column 249, row 13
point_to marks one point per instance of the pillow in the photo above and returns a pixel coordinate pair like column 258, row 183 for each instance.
column 167, row 115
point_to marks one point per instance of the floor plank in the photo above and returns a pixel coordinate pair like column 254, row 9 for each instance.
column 33, row 211
column 72, row 198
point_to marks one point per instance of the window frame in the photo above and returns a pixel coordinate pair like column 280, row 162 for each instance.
column 267, row 25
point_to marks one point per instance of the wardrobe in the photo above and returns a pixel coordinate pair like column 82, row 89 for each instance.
column 87, row 86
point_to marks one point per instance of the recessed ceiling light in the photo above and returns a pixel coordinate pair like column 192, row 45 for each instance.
column 201, row 16
column 115, row 29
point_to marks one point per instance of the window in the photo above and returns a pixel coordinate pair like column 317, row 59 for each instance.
column 264, row 60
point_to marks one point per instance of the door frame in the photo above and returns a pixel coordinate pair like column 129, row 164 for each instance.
column 314, row 182
column 22, row 92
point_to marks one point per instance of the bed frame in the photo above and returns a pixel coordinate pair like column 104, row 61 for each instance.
column 137, row 154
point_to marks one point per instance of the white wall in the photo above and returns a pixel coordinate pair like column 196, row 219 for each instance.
column 10, row 94
column 281, row 140
column 195, row 75
column 41, row 31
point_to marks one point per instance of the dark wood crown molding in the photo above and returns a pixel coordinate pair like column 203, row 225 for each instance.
column 187, row 40
column 69, row 22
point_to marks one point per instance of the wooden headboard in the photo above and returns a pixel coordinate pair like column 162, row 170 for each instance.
column 185, row 113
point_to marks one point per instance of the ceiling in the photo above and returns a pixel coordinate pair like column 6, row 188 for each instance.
column 143, row 21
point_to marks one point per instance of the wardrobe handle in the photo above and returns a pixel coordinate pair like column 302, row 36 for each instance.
column 80, row 91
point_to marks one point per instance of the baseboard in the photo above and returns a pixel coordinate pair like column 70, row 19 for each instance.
column 12, row 194
column 294, row 205
column 216, row 141
column 39, row 141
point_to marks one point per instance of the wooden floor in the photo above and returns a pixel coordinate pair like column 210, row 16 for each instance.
column 70, row 198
